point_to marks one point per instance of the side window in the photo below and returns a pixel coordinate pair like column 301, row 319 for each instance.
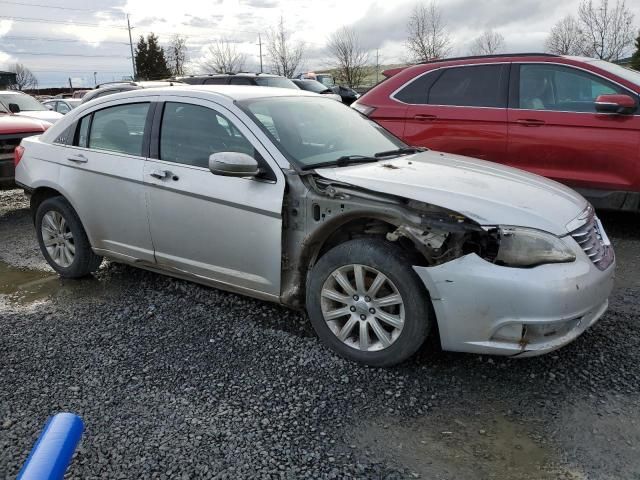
column 471, row 86
column 82, row 136
column 558, row 88
column 216, row 81
column 119, row 128
column 241, row 81
column 63, row 108
column 190, row 133
column 417, row 91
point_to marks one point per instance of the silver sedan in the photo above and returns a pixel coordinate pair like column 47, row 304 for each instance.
column 293, row 198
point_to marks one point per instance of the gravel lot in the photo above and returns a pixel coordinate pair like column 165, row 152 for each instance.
column 175, row 380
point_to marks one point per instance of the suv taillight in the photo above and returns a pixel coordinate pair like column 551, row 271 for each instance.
column 17, row 155
column 366, row 110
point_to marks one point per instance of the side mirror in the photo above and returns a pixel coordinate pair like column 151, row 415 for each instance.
column 14, row 108
column 233, row 164
column 615, row 104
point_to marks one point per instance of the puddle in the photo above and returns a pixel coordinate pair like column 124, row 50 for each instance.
column 26, row 286
column 23, row 287
column 465, row 448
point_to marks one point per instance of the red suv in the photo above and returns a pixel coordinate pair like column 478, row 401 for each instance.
column 575, row 120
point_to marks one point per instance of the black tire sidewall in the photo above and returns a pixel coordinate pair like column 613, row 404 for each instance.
column 390, row 260
column 84, row 256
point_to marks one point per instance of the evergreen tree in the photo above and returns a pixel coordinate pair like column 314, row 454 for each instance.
column 151, row 63
column 635, row 58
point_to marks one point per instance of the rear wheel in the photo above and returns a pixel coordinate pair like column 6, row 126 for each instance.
column 63, row 241
column 367, row 304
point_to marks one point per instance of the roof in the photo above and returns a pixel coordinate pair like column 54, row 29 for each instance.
column 229, row 74
column 498, row 55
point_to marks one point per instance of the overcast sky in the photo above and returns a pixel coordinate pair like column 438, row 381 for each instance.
column 80, row 37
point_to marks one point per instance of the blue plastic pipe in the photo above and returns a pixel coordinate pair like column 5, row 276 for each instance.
column 53, row 450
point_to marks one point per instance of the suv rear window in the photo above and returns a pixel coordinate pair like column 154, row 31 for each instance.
column 471, row 86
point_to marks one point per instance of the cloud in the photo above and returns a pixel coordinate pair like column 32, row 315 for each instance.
column 261, row 3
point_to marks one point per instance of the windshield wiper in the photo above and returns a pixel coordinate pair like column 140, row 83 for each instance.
column 400, row 151
column 343, row 161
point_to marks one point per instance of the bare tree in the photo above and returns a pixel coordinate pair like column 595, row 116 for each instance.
column 566, row 38
column 608, row 28
column 285, row 57
column 427, row 33
column 24, row 78
column 224, row 57
column 350, row 57
column 177, row 55
column 489, row 43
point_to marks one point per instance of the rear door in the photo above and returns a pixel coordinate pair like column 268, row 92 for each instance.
column 460, row 110
column 555, row 131
column 103, row 177
column 224, row 229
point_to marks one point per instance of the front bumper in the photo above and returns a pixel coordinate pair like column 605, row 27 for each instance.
column 488, row 309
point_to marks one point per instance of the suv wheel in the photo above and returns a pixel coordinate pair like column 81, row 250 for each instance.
column 367, row 304
column 63, row 241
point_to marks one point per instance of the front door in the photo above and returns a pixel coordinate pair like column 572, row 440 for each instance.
column 224, row 229
column 554, row 129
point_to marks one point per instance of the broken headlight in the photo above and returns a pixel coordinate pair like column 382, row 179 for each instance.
column 526, row 247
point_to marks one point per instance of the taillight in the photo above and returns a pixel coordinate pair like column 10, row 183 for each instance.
column 17, row 154
column 366, row 110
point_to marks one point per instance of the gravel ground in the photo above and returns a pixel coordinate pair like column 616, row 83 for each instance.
column 175, row 380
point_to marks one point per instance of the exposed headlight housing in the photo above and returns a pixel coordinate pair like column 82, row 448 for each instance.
column 527, row 247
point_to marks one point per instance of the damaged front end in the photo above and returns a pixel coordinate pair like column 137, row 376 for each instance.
column 320, row 214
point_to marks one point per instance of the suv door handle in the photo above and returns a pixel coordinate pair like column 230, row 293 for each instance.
column 423, row 117
column 159, row 174
column 530, row 122
column 80, row 158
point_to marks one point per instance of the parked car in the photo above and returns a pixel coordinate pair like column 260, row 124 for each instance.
column 13, row 129
column 24, row 105
column 348, row 95
column 572, row 119
column 243, row 78
column 80, row 93
column 316, row 87
column 62, row 106
column 291, row 198
column 105, row 89
column 324, row 78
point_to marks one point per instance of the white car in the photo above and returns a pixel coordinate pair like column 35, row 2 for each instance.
column 20, row 103
column 62, row 105
column 289, row 197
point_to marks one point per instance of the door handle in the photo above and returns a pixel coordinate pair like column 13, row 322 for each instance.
column 78, row 158
column 530, row 122
column 159, row 174
column 423, row 117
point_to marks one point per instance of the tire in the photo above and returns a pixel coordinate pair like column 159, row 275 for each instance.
column 63, row 231
column 366, row 259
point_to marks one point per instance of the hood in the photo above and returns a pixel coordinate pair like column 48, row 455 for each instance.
column 46, row 115
column 10, row 124
column 485, row 192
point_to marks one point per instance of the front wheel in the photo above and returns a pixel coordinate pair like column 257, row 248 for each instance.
column 63, row 241
column 367, row 304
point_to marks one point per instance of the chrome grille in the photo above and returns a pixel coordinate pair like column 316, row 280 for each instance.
column 593, row 240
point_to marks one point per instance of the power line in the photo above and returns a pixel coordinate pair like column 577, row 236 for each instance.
column 59, row 22
column 63, row 40
column 46, row 6
column 51, row 54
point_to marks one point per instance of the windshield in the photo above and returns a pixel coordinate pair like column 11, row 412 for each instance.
column 313, row 130
column 312, row 86
column 25, row 102
column 622, row 72
column 279, row 82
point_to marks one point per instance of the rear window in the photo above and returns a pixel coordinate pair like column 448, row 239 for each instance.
column 417, row 92
column 118, row 129
column 279, row 82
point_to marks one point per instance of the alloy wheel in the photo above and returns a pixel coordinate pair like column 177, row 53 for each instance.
column 362, row 307
column 58, row 239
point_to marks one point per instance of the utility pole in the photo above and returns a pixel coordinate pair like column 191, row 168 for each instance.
column 133, row 60
column 95, row 79
column 260, row 45
column 70, row 86
column 377, row 64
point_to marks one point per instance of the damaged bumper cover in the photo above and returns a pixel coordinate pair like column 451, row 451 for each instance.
column 490, row 309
